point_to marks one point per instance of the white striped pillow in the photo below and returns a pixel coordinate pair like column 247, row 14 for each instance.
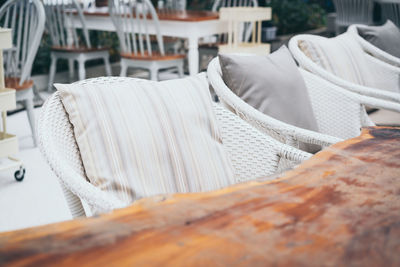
column 140, row 139
column 342, row 56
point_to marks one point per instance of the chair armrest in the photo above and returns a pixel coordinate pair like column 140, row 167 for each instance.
column 307, row 64
column 370, row 48
column 281, row 131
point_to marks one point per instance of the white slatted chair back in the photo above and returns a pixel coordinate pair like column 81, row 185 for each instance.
column 235, row 17
column 353, row 11
column 26, row 19
column 233, row 3
column 246, row 28
column 58, row 12
column 171, row 5
column 133, row 19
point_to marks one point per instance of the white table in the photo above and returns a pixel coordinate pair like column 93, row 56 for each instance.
column 190, row 25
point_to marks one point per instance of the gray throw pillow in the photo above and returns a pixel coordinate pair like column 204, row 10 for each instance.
column 272, row 84
column 385, row 37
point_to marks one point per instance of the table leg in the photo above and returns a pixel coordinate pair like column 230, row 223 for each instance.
column 193, row 55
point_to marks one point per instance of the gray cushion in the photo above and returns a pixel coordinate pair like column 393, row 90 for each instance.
column 385, row 37
column 272, row 84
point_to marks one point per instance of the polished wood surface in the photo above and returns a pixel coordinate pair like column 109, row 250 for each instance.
column 187, row 15
column 340, row 208
column 13, row 82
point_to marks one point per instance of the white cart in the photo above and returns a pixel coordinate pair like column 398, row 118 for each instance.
column 8, row 142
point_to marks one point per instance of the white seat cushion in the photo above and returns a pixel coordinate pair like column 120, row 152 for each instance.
column 140, row 139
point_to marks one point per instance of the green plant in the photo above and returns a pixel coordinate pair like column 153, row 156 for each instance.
column 293, row 16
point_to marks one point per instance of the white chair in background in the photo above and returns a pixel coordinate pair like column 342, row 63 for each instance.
column 26, row 19
column 252, row 153
column 78, row 49
column 370, row 48
column 352, row 12
column 339, row 113
column 384, row 74
column 237, row 16
column 138, row 51
column 209, row 45
column 171, row 5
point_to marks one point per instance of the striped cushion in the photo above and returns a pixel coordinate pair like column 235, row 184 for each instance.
column 141, row 138
column 341, row 56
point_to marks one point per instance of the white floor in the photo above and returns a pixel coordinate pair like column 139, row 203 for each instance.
column 38, row 199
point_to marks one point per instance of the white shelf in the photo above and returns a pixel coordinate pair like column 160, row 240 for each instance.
column 8, row 144
column 7, row 99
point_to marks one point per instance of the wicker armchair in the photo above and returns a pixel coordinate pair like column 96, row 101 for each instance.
column 371, row 49
column 386, row 75
column 339, row 113
column 252, row 153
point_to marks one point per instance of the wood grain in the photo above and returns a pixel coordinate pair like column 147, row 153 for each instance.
column 14, row 83
column 342, row 207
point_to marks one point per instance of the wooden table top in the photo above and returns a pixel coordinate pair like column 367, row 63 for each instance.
column 187, row 15
column 342, row 207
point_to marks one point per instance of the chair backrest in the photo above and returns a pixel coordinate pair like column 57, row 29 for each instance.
column 26, row 19
column 133, row 20
column 233, row 3
column 353, row 11
column 171, row 5
column 58, row 14
column 246, row 28
column 252, row 153
column 236, row 16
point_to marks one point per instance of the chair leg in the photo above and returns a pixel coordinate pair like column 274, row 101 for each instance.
column 82, row 72
column 53, row 67
column 180, row 70
column 153, row 74
column 31, row 117
column 108, row 66
column 71, row 70
column 124, row 69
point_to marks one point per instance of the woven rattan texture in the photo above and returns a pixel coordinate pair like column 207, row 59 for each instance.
column 252, row 153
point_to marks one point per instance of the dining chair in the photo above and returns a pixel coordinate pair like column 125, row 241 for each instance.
column 339, row 113
column 172, row 44
column 66, row 41
column 26, row 19
column 133, row 21
column 208, row 47
column 384, row 76
column 253, row 154
column 236, row 16
column 352, row 12
column 171, row 5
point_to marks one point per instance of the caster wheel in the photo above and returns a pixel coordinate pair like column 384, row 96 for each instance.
column 20, row 174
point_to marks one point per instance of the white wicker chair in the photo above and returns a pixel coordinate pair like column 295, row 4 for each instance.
column 339, row 113
column 252, row 153
column 386, row 75
column 370, row 48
